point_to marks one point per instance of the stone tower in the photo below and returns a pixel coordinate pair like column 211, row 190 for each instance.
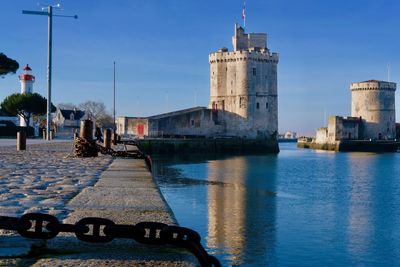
column 374, row 102
column 243, row 86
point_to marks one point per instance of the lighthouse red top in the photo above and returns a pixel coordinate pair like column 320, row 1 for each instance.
column 27, row 74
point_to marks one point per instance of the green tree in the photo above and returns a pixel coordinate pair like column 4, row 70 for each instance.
column 26, row 105
column 7, row 65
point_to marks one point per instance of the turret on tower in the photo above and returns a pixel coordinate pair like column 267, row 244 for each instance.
column 248, row 41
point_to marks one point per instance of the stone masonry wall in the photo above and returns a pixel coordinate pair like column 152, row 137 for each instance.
column 245, row 83
column 375, row 103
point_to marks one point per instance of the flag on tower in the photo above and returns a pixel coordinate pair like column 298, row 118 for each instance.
column 244, row 14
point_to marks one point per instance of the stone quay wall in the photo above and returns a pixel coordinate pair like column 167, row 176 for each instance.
column 208, row 145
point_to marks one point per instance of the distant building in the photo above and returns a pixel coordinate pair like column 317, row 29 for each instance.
column 6, row 120
column 288, row 135
column 340, row 128
column 243, row 97
column 373, row 115
column 198, row 121
column 67, row 121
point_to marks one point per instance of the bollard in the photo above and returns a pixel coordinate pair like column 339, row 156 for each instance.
column 107, row 138
column 86, row 129
column 51, row 134
column 21, row 141
column 44, row 134
column 114, row 138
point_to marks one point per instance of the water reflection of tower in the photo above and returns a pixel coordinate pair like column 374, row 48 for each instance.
column 242, row 213
column 359, row 226
column 372, row 212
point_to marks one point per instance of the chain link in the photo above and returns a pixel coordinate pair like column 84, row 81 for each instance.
column 101, row 230
column 89, row 148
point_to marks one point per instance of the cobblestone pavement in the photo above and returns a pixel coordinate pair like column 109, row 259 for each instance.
column 44, row 178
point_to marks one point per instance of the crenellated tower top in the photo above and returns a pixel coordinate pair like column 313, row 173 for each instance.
column 248, row 41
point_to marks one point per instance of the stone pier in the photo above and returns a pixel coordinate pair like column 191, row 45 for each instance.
column 44, row 178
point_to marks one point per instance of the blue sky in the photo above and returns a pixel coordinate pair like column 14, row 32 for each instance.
column 161, row 50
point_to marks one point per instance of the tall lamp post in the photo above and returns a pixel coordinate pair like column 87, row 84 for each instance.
column 115, row 125
column 50, row 15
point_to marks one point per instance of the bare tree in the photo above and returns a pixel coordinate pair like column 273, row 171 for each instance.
column 67, row 106
column 98, row 111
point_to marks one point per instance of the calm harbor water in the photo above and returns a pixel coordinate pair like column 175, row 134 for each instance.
column 299, row 208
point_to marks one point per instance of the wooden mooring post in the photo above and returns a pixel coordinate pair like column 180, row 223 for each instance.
column 86, row 131
column 85, row 145
column 107, row 138
column 114, row 139
column 21, row 140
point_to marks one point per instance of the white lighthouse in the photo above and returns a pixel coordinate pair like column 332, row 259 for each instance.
column 27, row 80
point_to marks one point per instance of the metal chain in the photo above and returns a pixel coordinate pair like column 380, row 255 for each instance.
column 137, row 154
column 100, row 230
column 89, row 148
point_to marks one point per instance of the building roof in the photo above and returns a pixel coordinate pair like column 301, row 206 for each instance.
column 351, row 118
column 27, row 67
column 373, row 81
column 168, row 114
column 66, row 113
column 177, row 112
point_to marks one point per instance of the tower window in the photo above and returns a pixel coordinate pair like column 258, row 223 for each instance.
column 266, row 105
column 254, row 72
column 258, row 105
column 242, row 103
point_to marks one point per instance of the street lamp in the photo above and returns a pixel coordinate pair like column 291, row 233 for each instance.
column 50, row 15
column 115, row 126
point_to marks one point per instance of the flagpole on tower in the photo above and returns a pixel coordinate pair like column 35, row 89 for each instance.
column 244, row 14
